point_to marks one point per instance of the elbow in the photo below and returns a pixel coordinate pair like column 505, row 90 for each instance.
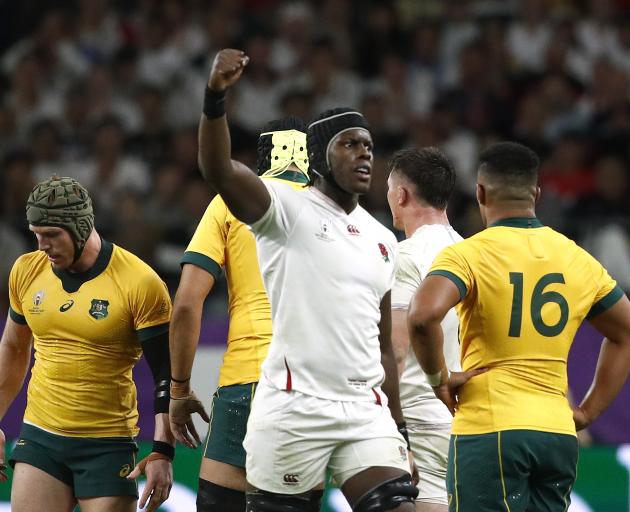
column 420, row 324
column 184, row 311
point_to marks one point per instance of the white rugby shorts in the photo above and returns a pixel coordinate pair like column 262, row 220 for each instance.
column 429, row 445
column 292, row 438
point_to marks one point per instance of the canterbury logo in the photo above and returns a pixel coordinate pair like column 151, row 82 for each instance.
column 291, row 478
column 66, row 306
column 353, row 230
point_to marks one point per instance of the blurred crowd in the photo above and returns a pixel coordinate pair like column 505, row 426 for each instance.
column 111, row 92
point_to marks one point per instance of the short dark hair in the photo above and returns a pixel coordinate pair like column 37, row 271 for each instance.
column 511, row 162
column 430, row 170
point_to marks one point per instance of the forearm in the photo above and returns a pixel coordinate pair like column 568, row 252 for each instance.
column 611, row 373
column 427, row 340
column 184, row 338
column 214, row 149
column 14, row 362
column 163, row 430
column 390, row 384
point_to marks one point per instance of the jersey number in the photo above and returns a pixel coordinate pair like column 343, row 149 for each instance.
column 539, row 299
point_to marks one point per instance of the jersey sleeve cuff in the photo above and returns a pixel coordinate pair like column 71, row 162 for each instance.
column 147, row 333
column 605, row 302
column 202, row 261
column 16, row 317
column 461, row 286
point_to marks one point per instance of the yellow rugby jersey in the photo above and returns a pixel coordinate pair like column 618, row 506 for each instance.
column 87, row 329
column 525, row 290
column 221, row 240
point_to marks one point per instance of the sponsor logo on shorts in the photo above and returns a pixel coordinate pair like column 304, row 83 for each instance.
column 124, row 471
column 66, row 306
column 21, row 442
column 291, row 479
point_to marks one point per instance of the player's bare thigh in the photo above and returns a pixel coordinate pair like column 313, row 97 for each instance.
column 223, row 474
column 34, row 489
column 430, row 507
column 109, row 504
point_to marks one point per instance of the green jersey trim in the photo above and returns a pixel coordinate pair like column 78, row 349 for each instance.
column 16, row 317
column 605, row 302
column 72, row 281
column 202, row 261
column 461, row 286
column 518, row 222
column 147, row 333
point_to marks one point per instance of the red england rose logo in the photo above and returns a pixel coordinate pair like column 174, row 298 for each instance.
column 384, row 252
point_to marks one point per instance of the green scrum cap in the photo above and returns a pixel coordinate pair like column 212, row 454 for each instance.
column 62, row 203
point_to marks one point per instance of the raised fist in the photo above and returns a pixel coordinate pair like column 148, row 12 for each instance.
column 227, row 68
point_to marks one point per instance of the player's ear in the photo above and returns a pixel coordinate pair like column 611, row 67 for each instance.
column 538, row 193
column 481, row 194
column 403, row 195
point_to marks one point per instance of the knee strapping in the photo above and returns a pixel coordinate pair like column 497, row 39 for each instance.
column 214, row 498
column 387, row 495
column 262, row 501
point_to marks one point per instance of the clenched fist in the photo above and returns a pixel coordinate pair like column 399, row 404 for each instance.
column 227, row 68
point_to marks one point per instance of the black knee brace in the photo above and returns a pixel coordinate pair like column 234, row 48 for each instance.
column 214, row 498
column 387, row 495
column 262, row 501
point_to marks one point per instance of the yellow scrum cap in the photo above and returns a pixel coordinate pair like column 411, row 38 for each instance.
column 279, row 149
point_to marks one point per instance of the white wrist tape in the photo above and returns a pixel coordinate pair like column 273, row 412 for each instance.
column 435, row 379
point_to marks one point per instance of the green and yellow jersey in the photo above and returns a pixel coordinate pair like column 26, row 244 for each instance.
column 221, row 240
column 87, row 330
column 525, row 290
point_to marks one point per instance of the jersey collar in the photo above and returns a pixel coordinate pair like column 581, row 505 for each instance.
column 294, row 176
column 518, row 222
column 72, row 281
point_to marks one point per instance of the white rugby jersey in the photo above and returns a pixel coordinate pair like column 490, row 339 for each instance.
column 325, row 272
column 416, row 254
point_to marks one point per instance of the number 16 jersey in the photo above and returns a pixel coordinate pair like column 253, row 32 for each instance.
column 525, row 289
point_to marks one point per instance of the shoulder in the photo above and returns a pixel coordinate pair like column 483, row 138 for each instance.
column 133, row 269
column 377, row 227
column 30, row 258
column 283, row 192
column 30, row 263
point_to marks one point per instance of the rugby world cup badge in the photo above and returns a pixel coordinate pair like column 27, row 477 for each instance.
column 324, row 234
column 38, row 300
column 98, row 309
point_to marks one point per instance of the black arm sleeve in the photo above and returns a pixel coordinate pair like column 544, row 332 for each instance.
column 156, row 352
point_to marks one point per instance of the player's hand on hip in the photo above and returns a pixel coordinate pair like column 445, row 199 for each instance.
column 159, row 472
column 182, row 405
column 448, row 391
column 3, row 467
column 227, row 68
column 580, row 418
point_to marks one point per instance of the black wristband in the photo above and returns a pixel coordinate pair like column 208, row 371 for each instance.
column 402, row 428
column 213, row 103
column 180, row 381
column 164, row 449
